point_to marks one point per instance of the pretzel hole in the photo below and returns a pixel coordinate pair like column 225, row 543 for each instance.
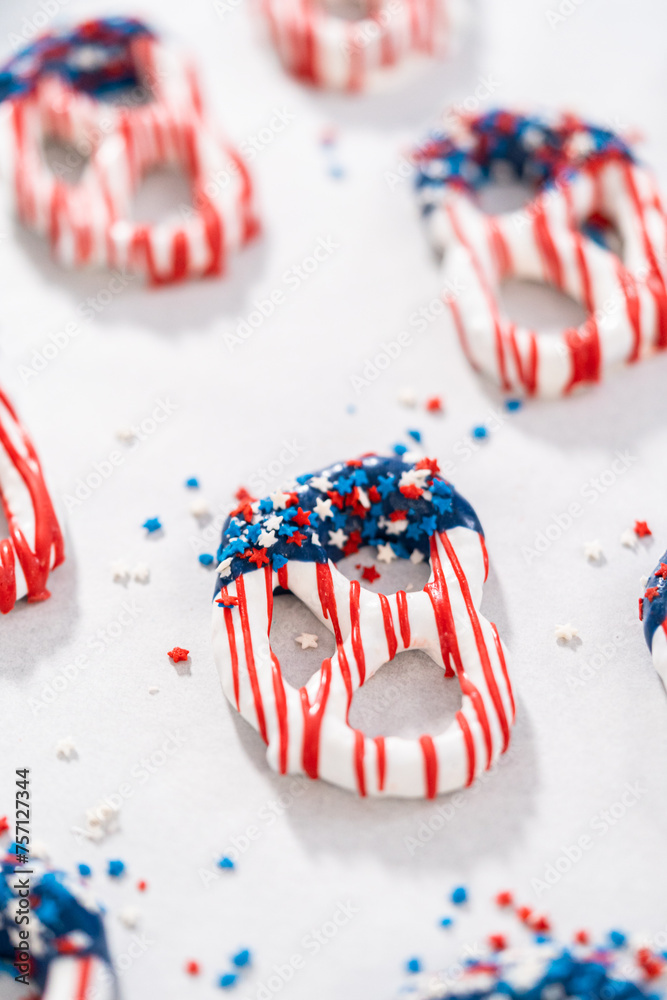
column 65, row 160
column 408, row 696
column 505, row 193
column 162, row 193
column 400, row 574
column 291, row 618
column 535, row 305
column 350, row 10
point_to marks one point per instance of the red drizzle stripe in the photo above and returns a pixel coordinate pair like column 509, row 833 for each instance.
column 250, row 658
column 547, row 248
column 389, row 630
column 658, row 284
column 277, row 679
column 584, row 347
column 489, row 675
column 282, row 577
column 312, row 721
column 485, row 556
column 355, row 630
column 633, row 308
column 501, row 251
column 444, row 620
column 430, row 766
column 403, row 619
column 470, row 746
column 526, row 370
column 503, row 664
column 381, row 761
column 359, row 762
column 327, row 595
column 460, row 329
column 85, row 968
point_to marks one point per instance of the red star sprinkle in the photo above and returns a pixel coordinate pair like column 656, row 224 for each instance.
column 335, row 498
column 192, row 968
column 356, row 463
column 582, row 937
column 142, row 885
column 226, row 600
column 540, row 923
column 177, row 654
column 371, row 574
column 295, row 539
column 434, row 404
column 4, row 824
column 498, row 942
column 245, row 509
column 374, row 495
column 642, row 529
column 651, row 593
column 398, row 515
column 428, row 463
column 301, row 517
column 504, row 898
column 523, row 913
column 662, row 571
column 242, row 494
column 259, row 557
column 353, row 543
column 412, row 492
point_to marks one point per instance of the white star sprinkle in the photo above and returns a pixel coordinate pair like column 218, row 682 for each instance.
column 129, row 917
column 266, row 538
column 307, row 640
column 141, row 573
column 320, row 483
column 153, row 690
column 338, row 538
column 629, row 539
column 397, row 527
column 280, row 499
column 385, row 553
column 414, row 477
column 643, row 582
column 119, row 572
column 315, row 538
column 223, row 567
column 200, row 508
column 65, row 749
column 363, row 497
column 126, row 434
column 593, row 551
column 417, row 557
column 566, row 632
column 407, row 396
column 323, row 508
column 273, row 523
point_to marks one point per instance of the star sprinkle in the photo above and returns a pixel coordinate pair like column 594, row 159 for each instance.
column 370, row 574
column 321, row 483
column 280, row 500
column 651, row 594
column 641, row 529
column 152, row 524
column 338, row 538
column 307, row 640
column 661, row 571
column 199, row 508
column 385, row 553
column 66, row 750
column 566, row 633
column 434, row 404
column 119, row 572
column 141, row 573
column 267, row 538
column 129, row 917
column 407, row 397
column 323, row 508
column 192, row 483
column 416, row 557
column 593, row 551
column 628, row 538
column 177, row 654
column 259, row 558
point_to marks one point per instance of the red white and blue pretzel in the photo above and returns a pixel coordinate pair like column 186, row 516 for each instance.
column 89, row 223
column 588, row 184
column 292, row 539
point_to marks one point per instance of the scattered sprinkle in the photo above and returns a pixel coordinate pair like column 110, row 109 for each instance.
column 629, row 539
column 85, row 870
column 226, row 863
column 385, row 553
column 199, row 508
column 192, row 483
column 566, row 632
column 126, row 434
column 400, row 449
column 582, row 937
column 4, row 824
column 141, row 573
column 434, row 404
column 504, row 898
column 413, row 965
column 177, row 654
column 524, row 913
column 480, row 432
column 617, row 939
column 101, row 821
column 206, row 559
column 459, row 895
column 512, row 405
column 153, row 690
column 120, row 573
column 370, row 574
column 407, row 397
column 307, row 640
column 66, row 750
column 129, row 917
column 415, row 435
column 192, row 968
column 142, row 885
column 152, row 524
column 116, row 868
column 227, row 980
column 498, row 942
column 241, row 959
column 593, row 551
column 642, row 529
column 446, row 922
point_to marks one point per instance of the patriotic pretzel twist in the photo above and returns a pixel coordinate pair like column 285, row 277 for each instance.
column 587, row 182
column 318, row 44
column 292, row 540
column 653, row 613
column 54, row 89
column 67, row 957
column 35, row 543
